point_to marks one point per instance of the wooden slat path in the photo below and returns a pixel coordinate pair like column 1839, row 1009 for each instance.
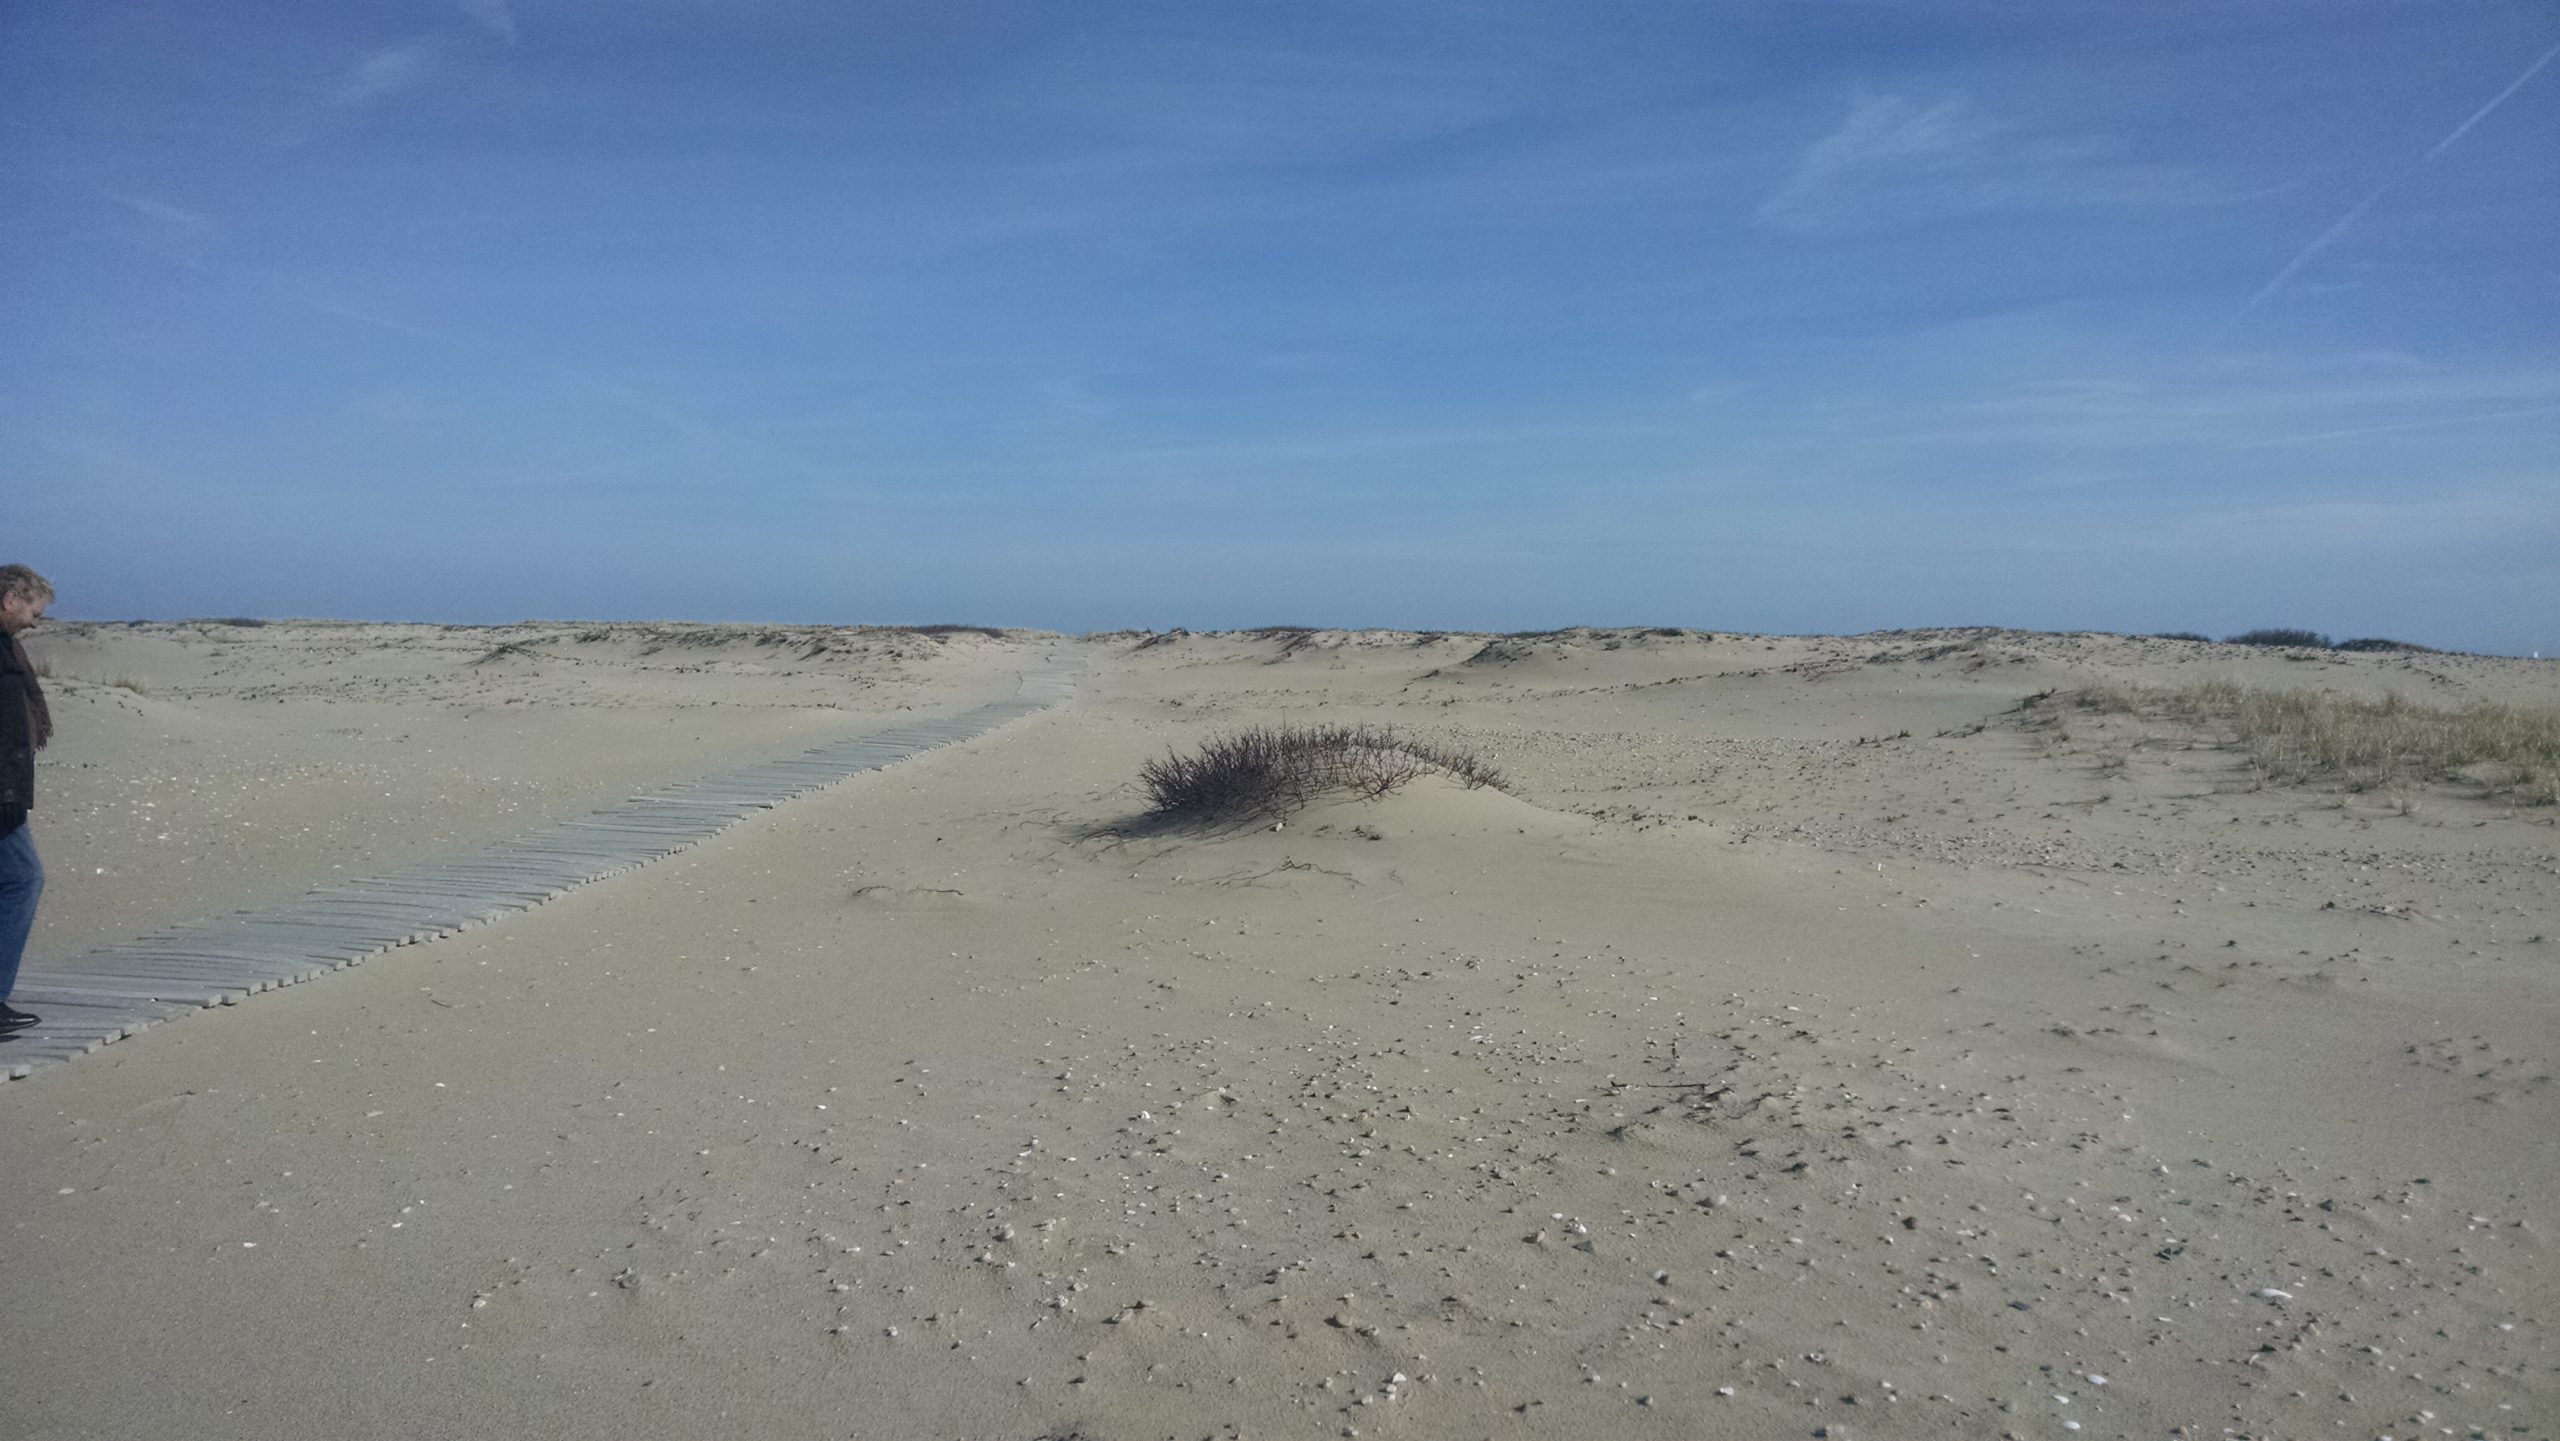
column 105, row 995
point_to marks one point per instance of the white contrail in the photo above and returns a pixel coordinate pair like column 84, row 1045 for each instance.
column 2294, row 266
column 2328, row 237
column 2494, row 102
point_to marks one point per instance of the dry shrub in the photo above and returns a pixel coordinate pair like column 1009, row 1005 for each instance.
column 2281, row 636
column 1268, row 771
column 2300, row 736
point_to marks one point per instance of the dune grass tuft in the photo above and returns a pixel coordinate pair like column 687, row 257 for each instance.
column 2298, row 736
column 1268, row 771
column 2281, row 636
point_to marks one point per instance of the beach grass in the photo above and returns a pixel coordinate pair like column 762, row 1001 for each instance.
column 2322, row 737
column 2292, row 636
column 1267, row 771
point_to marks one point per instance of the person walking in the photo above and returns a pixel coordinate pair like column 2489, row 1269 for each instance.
column 25, row 725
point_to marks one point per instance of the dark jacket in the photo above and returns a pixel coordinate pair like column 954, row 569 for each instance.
column 25, row 725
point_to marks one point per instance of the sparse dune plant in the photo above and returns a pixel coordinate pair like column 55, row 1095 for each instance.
column 2282, row 636
column 2298, row 736
column 1265, row 772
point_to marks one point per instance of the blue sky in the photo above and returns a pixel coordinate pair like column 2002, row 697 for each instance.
column 1773, row 316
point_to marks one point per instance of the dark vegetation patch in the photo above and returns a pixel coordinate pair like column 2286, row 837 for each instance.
column 2286, row 636
column 2282, row 636
column 504, row 649
column 1265, row 772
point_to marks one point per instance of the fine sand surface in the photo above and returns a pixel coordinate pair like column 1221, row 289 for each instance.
column 1806, row 1041
column 204, row 767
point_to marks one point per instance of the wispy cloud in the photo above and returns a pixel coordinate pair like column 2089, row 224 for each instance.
column 1195, row 106
column 1071, row 397
column 2223, row 411
column 1896, row 159
column 2141, row 420
column 685, row 421
column 2432, row 423
column 387, row 72
column 2470, row 520
column 175, row 216
column 162, row 229
column 171, row 232
column 398, row 406
column 498, row 17
column 323, row 305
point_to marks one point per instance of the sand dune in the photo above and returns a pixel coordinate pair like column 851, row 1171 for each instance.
column 1805, row 1040
column 203, row 767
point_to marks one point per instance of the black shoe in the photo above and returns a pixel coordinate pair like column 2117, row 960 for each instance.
column 13, row 1019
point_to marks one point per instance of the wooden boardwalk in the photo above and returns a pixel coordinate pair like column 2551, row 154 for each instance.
column 105, row 995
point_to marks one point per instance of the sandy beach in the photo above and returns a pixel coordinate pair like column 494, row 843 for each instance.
column 1812, row 1036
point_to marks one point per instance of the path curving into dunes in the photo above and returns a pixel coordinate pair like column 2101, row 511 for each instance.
column 95, row 998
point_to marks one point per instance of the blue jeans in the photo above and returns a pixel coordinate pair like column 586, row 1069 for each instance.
column 21, row 881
